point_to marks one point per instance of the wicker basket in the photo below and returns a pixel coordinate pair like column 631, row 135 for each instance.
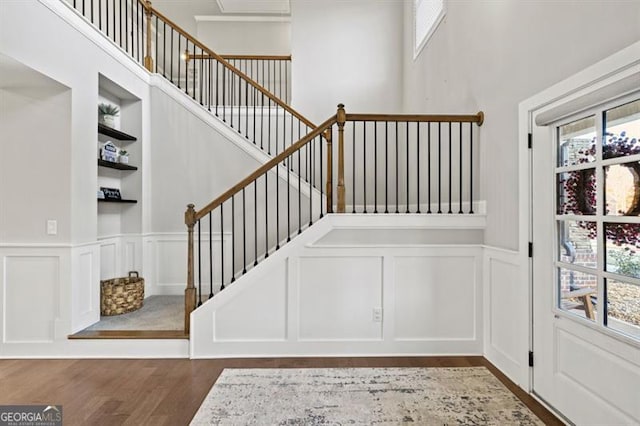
column 121, row 295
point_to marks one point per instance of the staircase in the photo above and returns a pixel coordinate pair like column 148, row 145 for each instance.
column 379, row 163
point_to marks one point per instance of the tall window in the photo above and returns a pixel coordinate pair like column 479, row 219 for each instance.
column 427, row 14
column 598, row 217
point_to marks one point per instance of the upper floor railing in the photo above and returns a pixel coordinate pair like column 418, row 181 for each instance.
column 249, row 93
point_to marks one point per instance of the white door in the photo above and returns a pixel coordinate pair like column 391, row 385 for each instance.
column 586, row 263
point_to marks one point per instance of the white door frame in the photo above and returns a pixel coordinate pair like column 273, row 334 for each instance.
column 598, row 83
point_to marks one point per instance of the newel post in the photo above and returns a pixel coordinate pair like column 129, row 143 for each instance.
column 341, row 118
column 148, row 60
column 190, row 291
column 329, row 189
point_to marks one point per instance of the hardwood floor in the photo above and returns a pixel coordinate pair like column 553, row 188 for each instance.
column 170, row 391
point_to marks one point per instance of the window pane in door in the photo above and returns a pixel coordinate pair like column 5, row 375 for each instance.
column 576, row 142
column 576, row 192
column 622, row 248
column 577, row 293
column 577, row 243
column 623, row 307
column 622, row 189
column 622, row 131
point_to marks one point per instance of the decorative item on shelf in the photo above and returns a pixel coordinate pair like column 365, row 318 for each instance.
column 107, row 114
column 109, row 152
column 123, row 156
column 111, row 193
column 121, row 295
column 100, row 195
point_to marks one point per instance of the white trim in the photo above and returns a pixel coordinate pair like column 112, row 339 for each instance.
column 241, row 18
column 417, row 49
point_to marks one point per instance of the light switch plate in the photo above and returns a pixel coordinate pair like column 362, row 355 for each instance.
column 52, row 227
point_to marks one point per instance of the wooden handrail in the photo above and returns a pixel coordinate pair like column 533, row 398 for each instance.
column 434, row 118
column 318, row 131
column 226, row 63
column 259, row 57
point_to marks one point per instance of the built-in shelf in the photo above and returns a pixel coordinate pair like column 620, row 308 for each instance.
column 117, row 166
column 123, row 201
column 108, row 131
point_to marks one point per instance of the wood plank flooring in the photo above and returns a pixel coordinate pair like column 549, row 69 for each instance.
column 170, row 391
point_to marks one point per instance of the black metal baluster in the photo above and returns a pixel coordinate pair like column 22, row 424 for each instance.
column 233, row 238
column 163, row 45
column 364, row 165
column 255, row 222
column 429, row 167
column 201, row 76
column 322, row 198
column 244, row 233
column 450, row 156
column 224, row 93
column 407, row 155
column 194, row 72
column 386, row 167
column 470, row 168
column 299, row 192
column 246, row 109
column 210, row 255
column 100, row 13
column 262, row 122
column 199, row 266
column 286, row 82
column 210, row 80
column 120, row 22
column 266, row 216
column 179, row 59
column 269, row 129
column 418, row 164
column 217, row 86
column 106, row 17
column 186, row 68
column 239, row 103
column 255, row 93
column 460, row 177
column 277, row 197
column 310, row 179
column 439, row 167
column 126, row 26
column 353, row 169
column 288, row 200
column 397, row 172
column 375, row 167
column 92, row 20
column 221, row 247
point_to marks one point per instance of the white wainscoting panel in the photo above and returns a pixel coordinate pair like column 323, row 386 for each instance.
column 506, row 340
column 109, row 259
column 337, row 296
column 85, row 286
column 31, row 303
column 348, row 300
column 258, row 313
column 435, row 298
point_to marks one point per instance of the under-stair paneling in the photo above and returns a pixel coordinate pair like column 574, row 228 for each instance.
column 351, row 298
column 505, row 345
column 435, row 297
column 337, row 296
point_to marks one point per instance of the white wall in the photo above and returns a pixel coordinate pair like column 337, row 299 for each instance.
column 346, row 52
column 245, row 38
column 490, row 55
column 35, row 177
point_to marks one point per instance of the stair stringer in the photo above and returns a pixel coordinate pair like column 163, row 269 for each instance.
column 265, row 313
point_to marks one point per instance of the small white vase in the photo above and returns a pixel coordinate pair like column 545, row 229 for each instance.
column 109, row 120
column 124, row 159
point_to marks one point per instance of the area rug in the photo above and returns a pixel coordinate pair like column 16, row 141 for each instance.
column 362, row 396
